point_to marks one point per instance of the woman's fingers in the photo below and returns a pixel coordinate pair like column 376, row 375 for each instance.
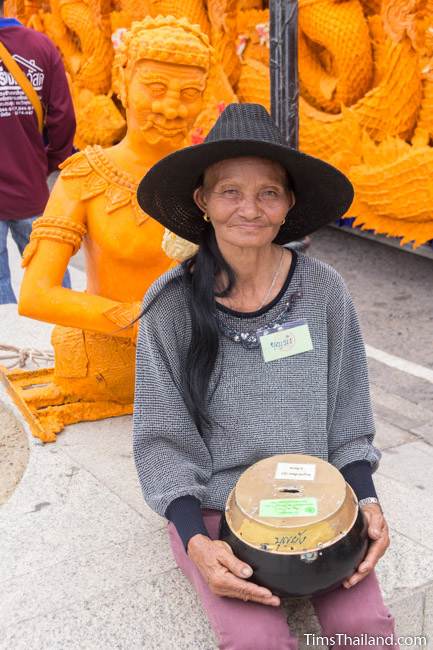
column 233, row 587
column 232, row 563
column 225, row 573
column 375, row 552
column 231, row 580
column 376, row 549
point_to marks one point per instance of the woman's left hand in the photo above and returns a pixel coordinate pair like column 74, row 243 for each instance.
column 378, row 532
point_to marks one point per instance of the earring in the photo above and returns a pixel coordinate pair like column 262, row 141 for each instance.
column 205, row 217
column 283, row 221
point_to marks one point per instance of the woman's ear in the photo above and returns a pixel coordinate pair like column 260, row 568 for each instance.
column 199, row 198
column 292, row 199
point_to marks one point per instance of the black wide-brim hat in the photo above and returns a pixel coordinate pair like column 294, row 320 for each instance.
column 322, row 192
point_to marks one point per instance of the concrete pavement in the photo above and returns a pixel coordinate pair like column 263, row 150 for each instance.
column 84, row 564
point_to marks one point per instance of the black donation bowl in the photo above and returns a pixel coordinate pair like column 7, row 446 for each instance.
column 297, row 523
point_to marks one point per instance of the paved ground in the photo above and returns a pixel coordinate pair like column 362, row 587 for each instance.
column 86, row 565
column 393, row 293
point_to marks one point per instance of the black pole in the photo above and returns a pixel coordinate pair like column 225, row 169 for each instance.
column 284, row 68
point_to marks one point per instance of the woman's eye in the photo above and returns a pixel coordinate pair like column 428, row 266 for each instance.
column 230, row 192
column 269, row 194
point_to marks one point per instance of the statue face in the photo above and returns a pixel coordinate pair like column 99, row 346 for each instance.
column 164, row 100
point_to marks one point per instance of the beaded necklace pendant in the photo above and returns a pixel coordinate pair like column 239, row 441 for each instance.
column 250, row 340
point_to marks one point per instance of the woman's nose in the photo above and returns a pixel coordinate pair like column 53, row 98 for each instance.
column 249, row 207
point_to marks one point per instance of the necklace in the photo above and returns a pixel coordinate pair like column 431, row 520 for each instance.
column 250, row 339
column 274, row 279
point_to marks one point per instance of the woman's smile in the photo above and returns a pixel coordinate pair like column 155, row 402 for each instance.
column 248, row 226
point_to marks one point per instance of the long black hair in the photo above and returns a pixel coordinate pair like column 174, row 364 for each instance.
column 200, row 275
column 201, row 272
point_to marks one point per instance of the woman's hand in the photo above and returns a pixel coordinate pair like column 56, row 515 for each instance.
column 378, row 532
column 226, row 574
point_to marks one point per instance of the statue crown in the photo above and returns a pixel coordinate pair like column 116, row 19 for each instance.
column 164, row 38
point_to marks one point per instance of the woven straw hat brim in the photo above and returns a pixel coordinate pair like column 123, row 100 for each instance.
column 322, row 193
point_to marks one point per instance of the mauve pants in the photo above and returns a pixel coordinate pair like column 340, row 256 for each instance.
column 242, row 625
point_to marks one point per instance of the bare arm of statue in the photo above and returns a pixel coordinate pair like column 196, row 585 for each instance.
column 46, row 258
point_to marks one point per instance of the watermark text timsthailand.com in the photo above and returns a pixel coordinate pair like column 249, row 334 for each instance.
column 389, row 640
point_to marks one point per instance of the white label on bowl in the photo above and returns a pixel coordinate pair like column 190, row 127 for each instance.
column 299, row 471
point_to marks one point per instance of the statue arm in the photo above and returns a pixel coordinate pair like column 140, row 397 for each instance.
column 53, row 241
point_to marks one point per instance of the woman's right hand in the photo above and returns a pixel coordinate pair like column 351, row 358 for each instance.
column 225, row 573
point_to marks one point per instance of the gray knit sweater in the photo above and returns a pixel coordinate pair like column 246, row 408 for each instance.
column 316, row 402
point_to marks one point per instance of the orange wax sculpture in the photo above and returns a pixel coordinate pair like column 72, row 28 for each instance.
column 366, row 86
column 161, row 66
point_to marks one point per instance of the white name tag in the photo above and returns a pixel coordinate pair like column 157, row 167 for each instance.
column 285, row 340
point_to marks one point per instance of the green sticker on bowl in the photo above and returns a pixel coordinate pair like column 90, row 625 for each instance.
column 296, row 507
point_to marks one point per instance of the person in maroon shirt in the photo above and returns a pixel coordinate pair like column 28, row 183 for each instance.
column 26, row 156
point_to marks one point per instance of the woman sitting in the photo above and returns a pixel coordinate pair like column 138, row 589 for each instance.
column 209, row 403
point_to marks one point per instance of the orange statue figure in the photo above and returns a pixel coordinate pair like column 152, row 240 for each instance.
column 160, row 70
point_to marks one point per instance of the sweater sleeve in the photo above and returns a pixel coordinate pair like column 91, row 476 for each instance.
column 171, row 457
column 350, row 418
column 60, row 117
column 185, row 513
column 359, row 477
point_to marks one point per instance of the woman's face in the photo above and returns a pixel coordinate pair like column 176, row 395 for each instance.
column 246, row 200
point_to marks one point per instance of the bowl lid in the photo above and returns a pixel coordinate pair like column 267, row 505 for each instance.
column 289, row 491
